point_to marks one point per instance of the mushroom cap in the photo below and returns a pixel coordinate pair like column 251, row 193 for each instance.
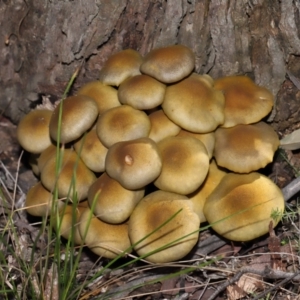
column 91, row 151
column 78, row 115
column 150, row 213
column 68, row 221
column 169, row 64
column 121, row 66
column 141, row 92
column 39, row 201
column 122, row 123
column 104, row 239
column 74, row 176
column 134, row 164
column 208, row 139
column 105, row 96
column 240, row 207
column 161, row 126
column 33, row 131
column 214, row 176
column 245, row 102
column 245, row 148
column 113, row 203
column 47, row 154
column 185, row 164
column 194, row 104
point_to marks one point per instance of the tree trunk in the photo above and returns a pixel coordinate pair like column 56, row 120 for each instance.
column 43, row 42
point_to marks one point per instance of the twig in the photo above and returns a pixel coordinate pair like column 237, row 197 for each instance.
column 291, row 189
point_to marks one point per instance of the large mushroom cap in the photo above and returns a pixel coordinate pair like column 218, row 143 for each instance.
column 39, row 201
column 78, row 115
column 104, row 239
column 194, row 104
column 122, row 123
column 111, row 202
column 134, row 164
column 121, row 66
column 241, row 206
column 185, row 164
column 33, row 131
column 154, row 210
column 245, row 148
column 74, row 176
column 245, row 102
column 169, row 64
column 105, row 96
column 142, row 92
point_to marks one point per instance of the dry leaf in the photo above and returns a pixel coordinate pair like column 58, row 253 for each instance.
column 247, row 284
column 291, row 141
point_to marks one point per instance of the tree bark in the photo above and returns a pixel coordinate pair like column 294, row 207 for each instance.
column 43, row 42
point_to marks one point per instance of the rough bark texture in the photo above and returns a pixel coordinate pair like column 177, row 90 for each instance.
column 43, row 42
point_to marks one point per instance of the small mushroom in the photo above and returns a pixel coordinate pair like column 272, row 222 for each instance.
column 208, row 139
column 105, row 96
column 104, row 239
column 240, row 207
column 121, row 66
column 169, row 64
column 67, row 221
column 245, row 102
column 213, row 178
column 141, row 92
column 78, row 115
column 122, row 123
column 39, row 201
column 178, row 236
column 33, row 131
column 161, row 126
column 185, row 164
column 245, row 148
column 91, row 151
column 194, row 105
column 134, row 164
column 74, row 175
column 110, row 202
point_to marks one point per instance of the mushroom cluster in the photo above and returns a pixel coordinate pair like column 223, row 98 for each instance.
column 150, row 150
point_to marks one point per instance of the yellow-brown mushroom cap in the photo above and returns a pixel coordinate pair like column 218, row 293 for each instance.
column 110, row 202
column 121, row 66
column 245, row 102
column 105, row 96
column 208, row 139
column 154, row 210
column 33, row 131
column 78, row 115
column 74, row 176
column 39, row 201
column 104, row 239
column 241, row 206
column 161, row 126
column 122, row 123
column 134, row 164
column 194, row 104
column 185, row 164
column 91, row 151
column 141, row 92
column 169, row 64
column 245, row 148
column 213, row 178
